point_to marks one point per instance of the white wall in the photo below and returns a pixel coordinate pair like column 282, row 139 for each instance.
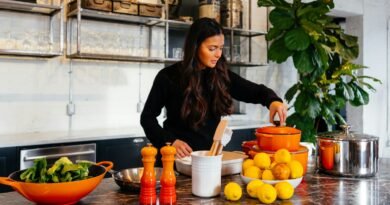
column 348, row 7
column 34, row 93
column 375, row 56
column 368, row 20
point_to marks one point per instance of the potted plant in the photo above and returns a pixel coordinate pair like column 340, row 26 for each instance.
column 323, row 57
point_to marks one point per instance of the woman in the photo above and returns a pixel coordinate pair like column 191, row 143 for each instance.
column 197, row 91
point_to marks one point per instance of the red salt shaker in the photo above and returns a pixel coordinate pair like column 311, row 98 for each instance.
column 148, row 179
column 168, row 178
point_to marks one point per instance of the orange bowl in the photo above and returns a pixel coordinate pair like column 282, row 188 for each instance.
column 301, row 155
column 58, row 193
column 273, row 138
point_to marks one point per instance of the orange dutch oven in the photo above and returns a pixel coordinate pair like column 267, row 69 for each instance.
column 58, row 193
column 272, row 138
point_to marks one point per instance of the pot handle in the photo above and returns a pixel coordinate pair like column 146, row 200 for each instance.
column 14, row 184
column 346, row 128
column 106, row 164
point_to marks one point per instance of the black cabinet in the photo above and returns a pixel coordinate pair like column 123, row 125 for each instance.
column 8, row 164
column 124, row 153
column 238, row 137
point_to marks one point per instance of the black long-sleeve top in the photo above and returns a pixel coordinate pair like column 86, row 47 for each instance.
column 167, row 92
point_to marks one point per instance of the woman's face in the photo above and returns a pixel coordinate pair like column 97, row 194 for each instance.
column 210, row 51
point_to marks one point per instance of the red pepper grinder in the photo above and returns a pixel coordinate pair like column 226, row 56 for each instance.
column 168, row 178
column 148, row 179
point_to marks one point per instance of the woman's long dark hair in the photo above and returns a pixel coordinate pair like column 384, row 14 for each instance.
column 195, row 107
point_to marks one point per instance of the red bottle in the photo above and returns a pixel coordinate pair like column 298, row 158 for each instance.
column 168, row 178
column 148, row 179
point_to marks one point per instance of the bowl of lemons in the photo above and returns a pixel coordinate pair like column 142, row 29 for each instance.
column 282, row 168
column 293, row 182
column 268, row 180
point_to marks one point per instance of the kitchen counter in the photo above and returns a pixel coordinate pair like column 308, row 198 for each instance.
column 315, row 188
column 42, row 138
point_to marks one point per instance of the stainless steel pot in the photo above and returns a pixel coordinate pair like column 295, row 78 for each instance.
column 347, row 154
column 130, row 179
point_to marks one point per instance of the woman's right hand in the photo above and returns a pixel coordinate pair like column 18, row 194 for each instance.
column 182, row 148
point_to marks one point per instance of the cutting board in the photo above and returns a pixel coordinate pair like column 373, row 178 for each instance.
column 231, row 156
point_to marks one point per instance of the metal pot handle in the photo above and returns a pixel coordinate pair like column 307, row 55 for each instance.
column 346, row 129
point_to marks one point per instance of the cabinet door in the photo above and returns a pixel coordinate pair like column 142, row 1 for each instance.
column 8, row 164
column 124, row 153
column 238, row 137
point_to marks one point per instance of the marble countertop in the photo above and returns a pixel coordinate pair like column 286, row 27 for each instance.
column 41, row 138
column 314, row 189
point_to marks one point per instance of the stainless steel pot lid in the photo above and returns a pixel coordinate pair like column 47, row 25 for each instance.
column 346, row 135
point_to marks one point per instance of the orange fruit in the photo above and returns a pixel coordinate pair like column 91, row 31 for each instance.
column 281, row 171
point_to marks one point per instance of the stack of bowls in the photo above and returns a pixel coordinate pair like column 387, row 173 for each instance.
column 271, row 138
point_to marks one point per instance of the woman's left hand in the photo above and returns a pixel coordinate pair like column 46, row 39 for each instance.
column 281, row 109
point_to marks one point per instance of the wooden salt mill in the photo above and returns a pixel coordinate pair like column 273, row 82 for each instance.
column 148, row 179
column 168, row 178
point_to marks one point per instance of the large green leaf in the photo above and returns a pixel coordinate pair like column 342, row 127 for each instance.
column 328, row 115
column 274, row 3
column 312, row 12
column 291, row 92
column 273, row 33
column 361, row 96
column 303, row 62
column 307, row 105
column 339, row 102
column 281, row 19
column 303, row 123
column 278, row 52
column 323, row 55
column 345, row 91
column 310, row 26
column 340, row 118
column 350, row 53
column 297, row 39
column 350, row 41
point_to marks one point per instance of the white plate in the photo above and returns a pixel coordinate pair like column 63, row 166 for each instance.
column 293, row 182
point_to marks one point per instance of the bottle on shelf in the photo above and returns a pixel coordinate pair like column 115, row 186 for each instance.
column 148, row 180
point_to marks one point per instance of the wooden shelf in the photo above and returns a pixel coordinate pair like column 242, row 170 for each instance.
column 29, row 7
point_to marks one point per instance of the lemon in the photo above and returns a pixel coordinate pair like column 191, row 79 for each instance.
column 296, row 169
column 266, row 193
column 252, row 187
column 232, row 191
column 282, row 156
column 262, row 160
column 267, row 175
column 252, row 172
column 284, row 190
column 247, row 163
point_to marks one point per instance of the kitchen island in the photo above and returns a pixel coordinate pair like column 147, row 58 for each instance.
column 316, row 188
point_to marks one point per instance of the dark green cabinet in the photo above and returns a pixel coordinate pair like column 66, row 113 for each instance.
column 8, row 164
column 124, row 153
column 238, row 137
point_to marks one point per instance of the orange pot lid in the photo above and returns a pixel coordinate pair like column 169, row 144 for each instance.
column 283, row 130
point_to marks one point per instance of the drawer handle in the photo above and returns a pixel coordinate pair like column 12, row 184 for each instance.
column 51, row 156
column 138, row 140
